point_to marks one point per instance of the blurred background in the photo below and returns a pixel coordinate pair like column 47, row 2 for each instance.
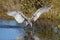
column 47, row 27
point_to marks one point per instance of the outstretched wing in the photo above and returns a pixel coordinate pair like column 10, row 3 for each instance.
column 19, row 17
column 40, row 11
column 22, row 15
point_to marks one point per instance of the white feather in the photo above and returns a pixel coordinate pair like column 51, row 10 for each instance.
column 11, row 13
column 40, row 11
column 18, row 17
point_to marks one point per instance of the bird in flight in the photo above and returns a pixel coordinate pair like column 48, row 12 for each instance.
column 20, row 17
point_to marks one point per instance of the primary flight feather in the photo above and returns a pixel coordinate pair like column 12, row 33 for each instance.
column 40, row 11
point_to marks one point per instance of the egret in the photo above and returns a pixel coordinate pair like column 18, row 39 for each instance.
column 20, row 17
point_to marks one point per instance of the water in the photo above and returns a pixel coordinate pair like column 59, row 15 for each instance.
column 9, row 30
column 7, row 22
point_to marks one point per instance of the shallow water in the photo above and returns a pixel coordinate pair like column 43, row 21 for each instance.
column 7, row 22
column 9, row 30
column 10, row 33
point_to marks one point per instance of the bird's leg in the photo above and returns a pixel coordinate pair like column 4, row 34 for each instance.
column 30, row 37
column 32, row 31
column 30, row 34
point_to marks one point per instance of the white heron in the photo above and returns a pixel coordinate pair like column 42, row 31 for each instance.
column 20, row 17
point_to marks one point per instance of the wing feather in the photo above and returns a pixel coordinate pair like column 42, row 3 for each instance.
column 40, row 11
column 18, row 17
column 22, row 15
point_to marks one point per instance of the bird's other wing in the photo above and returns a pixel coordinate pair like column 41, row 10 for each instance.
column 18, row 17
column 40, row 11
column 11, row 13
column 26, row 19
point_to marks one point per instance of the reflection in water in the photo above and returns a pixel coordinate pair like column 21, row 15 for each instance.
column 10, row 30
column 12, row 33
column 5, row 22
